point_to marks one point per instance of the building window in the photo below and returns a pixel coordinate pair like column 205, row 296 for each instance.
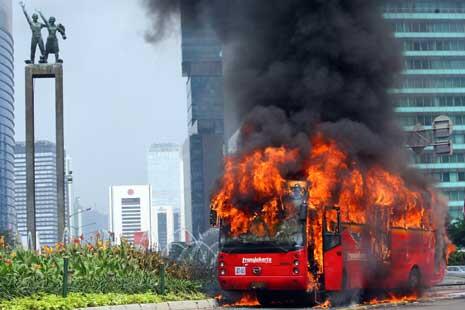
column 461, row 176
column 445, row 177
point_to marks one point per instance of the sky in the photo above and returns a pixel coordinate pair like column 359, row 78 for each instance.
column 120, row 93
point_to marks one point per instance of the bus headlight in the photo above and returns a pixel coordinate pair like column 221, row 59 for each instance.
column 221, row 264
column 295, row 270
column 222, row 272
column 296, row 263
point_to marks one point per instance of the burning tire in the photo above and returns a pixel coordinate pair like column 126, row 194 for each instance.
column 345, row 296
column 287, row 298
column 230, row 297
column 265, row 298
column 414, row 284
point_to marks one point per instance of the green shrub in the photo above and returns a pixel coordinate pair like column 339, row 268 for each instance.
column 99, row 269
column 457, row 259
column 76, row 300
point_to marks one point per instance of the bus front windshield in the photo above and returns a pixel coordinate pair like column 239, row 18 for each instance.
column 286, row 234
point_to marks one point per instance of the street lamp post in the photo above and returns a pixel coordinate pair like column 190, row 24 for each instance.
column 80, row 227
column 77, row 228
column 79, row 212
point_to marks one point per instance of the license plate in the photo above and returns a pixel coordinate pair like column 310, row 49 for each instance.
column 239, row 271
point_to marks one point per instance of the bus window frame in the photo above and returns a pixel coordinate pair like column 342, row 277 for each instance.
column 331, row 239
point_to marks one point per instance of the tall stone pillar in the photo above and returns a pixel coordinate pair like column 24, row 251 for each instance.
column 54, row 71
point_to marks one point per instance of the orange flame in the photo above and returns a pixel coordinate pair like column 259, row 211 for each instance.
column 248, row 299
column 252, row 186
column 394, row 299
column 325, row 305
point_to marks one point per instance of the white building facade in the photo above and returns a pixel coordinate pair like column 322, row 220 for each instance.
column 130, row 212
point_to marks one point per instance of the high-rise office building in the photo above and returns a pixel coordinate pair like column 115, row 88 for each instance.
column 164, row 175
column 165, row 228
column 130, row 212
column 202, row 65
column 432, row 34
column 7, row 144
column 46, row 197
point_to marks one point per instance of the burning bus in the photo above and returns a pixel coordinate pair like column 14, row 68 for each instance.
column 319, row 195
column 338, row 228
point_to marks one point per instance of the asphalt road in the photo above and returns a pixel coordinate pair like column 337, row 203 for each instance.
column 447, row 298
column 456, row 304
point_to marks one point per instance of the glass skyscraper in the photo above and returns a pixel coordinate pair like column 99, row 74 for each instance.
column 46, row 192
column 432, row 34
column 7, row 144
column 164, row 175
column 203, row 153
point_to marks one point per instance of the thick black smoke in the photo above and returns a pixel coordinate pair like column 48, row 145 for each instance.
column 296, row 66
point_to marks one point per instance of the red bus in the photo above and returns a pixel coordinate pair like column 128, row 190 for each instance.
column 283, row 261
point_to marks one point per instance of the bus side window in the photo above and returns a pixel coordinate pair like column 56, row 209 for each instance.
column 332, row 237
column 332, row 221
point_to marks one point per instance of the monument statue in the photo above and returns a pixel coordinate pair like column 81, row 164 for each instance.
column 36, row 28
column 51, row 47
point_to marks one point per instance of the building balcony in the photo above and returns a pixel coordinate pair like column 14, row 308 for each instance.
column 456, row 147
column 434, row 72
column 441, row 166
column 425, row 16
column 455, row 203
column 440, row 110
column 428, row 35
column 434, row 53
column 407, row 91
column 450, row 185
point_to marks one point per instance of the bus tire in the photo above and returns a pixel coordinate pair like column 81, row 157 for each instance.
column 230, row 297
column 414, row 280
column 265, row 298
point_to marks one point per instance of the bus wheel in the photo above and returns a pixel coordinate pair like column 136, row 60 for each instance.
column 414, row 280
column 230, row 297
column 265, row 298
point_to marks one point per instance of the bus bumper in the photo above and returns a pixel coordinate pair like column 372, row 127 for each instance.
column 241, row 283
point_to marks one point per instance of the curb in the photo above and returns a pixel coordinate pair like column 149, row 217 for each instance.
column 460, row 286
column 206, row 304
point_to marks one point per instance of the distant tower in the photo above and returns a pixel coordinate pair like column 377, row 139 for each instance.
column 130, row 213
column 165, row 218
column 46, row 194
column 202, row 65
column 7, row 143
column 164, row 175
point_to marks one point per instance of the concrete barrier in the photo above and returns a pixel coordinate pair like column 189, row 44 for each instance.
column 206, row 304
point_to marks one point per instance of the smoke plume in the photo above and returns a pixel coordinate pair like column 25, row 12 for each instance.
column 163, row 16
column 294, row 68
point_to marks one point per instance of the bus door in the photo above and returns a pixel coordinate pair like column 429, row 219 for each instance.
column 332, row 249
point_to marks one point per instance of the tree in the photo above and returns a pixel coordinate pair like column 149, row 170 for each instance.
column 457, row 232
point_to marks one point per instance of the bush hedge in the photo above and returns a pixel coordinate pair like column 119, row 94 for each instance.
column 96, row 268
column 457, row 259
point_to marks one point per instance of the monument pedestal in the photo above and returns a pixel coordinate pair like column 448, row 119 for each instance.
column 40, row 71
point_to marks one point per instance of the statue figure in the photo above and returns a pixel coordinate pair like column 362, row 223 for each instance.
column 51, row 47
column 36, row 28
